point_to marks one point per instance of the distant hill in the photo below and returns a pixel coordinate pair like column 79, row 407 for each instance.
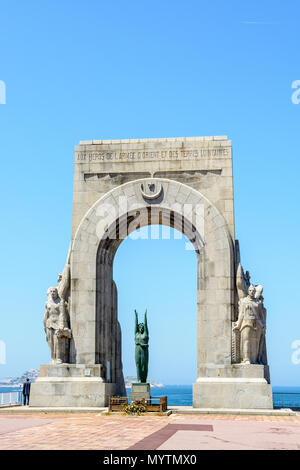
column 129, row 379
column 32, row 374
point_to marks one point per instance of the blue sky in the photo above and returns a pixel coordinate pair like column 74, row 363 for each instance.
column 127, row 69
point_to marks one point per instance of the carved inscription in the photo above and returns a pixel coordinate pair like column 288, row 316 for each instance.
column 191, row 154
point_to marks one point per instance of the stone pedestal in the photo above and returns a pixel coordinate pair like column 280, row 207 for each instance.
column 71, row 385
column 237, row 386
column 140, row 391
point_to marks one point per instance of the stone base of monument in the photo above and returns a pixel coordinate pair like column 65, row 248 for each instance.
column 139, row 391
column 238, row 386
column 71, row 385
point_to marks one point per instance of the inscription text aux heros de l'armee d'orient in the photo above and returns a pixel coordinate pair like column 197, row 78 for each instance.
column 154, row 155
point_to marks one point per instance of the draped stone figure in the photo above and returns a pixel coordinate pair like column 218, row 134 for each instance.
column 262, row 349
column 251, row 325
column 141, row 348
column 56, row 326
column 242, row 286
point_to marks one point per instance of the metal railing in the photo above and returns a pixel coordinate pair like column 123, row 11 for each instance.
column 11, row 398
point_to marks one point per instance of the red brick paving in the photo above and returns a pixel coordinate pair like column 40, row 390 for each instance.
column 11, row 424
column 89, row 431
column 156, row 439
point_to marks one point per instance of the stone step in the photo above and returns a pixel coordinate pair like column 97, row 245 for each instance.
column 231, row 411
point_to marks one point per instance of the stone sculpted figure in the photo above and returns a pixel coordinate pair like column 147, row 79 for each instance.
column 141, row 335
column 56, row 326
column 251, row 325
column 262, row 350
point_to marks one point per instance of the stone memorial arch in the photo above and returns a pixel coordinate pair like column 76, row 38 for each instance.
column 122, row 185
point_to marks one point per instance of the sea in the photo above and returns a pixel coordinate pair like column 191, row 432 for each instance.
column 182, row 395
column 10, row 389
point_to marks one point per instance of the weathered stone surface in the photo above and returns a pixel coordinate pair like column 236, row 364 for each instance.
column 139, row 391
column 232, row 393
column 71, row 385
column 72, row 370
column 65, row 392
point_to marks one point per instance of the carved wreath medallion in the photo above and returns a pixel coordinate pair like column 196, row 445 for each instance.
column 151, row 189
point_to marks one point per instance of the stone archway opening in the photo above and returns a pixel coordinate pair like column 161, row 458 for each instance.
column 108, row 334
column 156, row 268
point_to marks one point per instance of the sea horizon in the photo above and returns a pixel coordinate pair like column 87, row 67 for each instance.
column 182, row 394
column 277, row 387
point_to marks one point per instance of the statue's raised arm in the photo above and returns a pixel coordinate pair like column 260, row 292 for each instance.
column 136, row 326
column 146, row 324
column 242, row 282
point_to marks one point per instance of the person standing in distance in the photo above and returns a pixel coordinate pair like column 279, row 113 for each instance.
column 26, row 391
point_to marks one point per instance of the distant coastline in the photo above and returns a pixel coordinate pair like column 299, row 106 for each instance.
column 129, row 380
column 17, row 382
column 32, row 374
column 154, row 385
column 182, row 395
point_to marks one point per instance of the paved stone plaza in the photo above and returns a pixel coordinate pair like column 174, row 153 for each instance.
column 51, row 431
